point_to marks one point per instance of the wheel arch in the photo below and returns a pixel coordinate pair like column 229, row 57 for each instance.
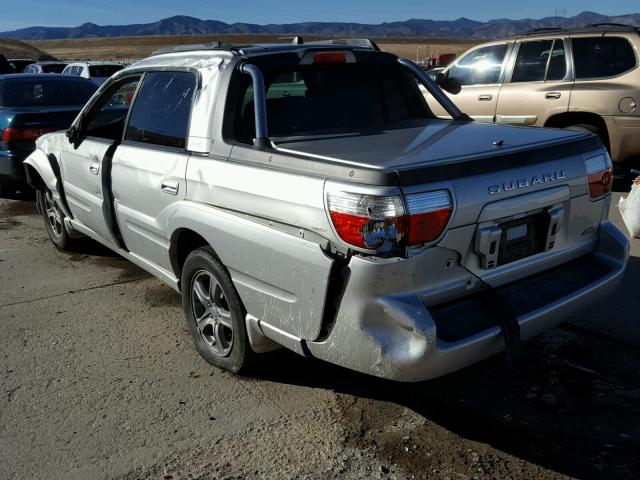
column 565, row 119
column 39, row 172
column 184, row 241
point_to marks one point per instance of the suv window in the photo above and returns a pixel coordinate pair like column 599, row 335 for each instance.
column 480, row 67
column 539, row 60
column 106, row 118
column 331, row 96
column 597, row 57
column 160, row 115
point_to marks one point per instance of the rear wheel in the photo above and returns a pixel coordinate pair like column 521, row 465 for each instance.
column 53, row 219
column 585, row 127
column 214, row 312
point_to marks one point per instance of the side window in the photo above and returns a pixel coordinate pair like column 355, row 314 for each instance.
column 160, row 115
column 602, row 56
column 480, row 67
column 107, row 117
column 531, row 62
column 557, row 69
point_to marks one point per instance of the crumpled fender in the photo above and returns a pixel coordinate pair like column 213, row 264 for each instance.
column 39, row 161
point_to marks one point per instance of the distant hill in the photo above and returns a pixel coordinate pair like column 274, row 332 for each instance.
column 461, row 28
column 17, row 49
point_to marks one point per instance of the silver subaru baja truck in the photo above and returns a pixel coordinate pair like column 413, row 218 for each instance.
column 305, row 196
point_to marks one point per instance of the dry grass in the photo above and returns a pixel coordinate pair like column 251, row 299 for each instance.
column 17, row 49
column 139, row 47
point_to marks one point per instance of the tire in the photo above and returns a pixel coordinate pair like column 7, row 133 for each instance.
column 53, row 220
column 585, row 127
column 214, row 313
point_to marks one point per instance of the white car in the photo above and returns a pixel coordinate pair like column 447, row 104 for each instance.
column 97, row 72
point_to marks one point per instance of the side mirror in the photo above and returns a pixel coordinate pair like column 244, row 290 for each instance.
column 72, row 134
column 449, row 84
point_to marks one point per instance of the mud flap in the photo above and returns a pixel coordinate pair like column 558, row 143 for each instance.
column 508, row 321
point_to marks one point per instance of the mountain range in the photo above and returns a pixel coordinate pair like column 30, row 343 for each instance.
column 460, row 28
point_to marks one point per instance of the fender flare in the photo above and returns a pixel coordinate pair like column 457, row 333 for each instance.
column 39, row 161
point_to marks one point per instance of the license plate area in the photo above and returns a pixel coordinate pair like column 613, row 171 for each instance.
column 523, row 237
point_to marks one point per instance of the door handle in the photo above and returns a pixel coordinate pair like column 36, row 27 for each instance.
column 170, row 187
column 553, row 95
column 94, row 168
column 485, row 98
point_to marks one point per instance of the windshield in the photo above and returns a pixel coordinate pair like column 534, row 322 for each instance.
column 339, row 96
column 53, row 68
column 44, row 93
column 103, row 70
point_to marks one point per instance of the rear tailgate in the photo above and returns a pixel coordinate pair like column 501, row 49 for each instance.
column 518, row 213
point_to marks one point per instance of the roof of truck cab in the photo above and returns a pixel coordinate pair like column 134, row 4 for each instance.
column 208, row 55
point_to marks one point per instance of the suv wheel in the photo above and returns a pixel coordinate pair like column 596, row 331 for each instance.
column 214, row 312
column 53, row 219
column 585, row 127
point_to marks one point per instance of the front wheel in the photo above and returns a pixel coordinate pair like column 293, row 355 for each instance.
column 53, row 219
column 214, row 312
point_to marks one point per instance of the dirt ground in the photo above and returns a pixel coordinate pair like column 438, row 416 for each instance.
column 127, row 48
column 98, row 379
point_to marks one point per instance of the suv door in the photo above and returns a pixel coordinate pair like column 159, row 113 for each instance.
column 538, row 85
column 480, row 73
column 99, row 132
column 149, row 168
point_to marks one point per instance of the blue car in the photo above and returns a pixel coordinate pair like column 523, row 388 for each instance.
column 30, row 106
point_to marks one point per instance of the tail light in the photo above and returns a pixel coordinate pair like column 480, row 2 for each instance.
column 329, row 57
column 20, row 134
column 367, row 221
column 380, row 223
column 599, row 175
column 429, row 214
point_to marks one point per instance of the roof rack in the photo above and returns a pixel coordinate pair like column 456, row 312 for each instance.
column 296, row 41
column 610, row 24
column 536, row 31
column 194, row 46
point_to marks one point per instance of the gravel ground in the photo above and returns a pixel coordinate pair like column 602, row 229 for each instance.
column 98, row 379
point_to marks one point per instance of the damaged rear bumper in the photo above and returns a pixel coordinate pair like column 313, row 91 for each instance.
column 395, row 336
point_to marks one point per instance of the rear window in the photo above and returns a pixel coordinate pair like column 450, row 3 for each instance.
column 103, row 70
column 44, row 93
column 343, row 96
column 602, row 56
column 54, row 68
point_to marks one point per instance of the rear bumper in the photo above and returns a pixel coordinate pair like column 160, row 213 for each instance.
column 624, row 137
column 12, row 169
column 395, row 336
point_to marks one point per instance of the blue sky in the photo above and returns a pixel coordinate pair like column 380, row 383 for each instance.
column 102, row 12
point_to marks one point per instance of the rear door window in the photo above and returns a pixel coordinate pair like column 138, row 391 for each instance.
column 602, row 56
column 539, row 60
column 480, row 67
column 160, row 114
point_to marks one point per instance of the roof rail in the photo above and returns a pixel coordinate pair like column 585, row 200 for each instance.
column 536, row 31
column 610, row 24
column 194, row 46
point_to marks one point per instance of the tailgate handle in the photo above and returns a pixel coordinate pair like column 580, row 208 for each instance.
column 485, row 98
column 94, row 168
column 553, row 95
column 170, row 187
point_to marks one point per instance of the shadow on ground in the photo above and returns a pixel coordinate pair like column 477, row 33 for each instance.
column 571, row 406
